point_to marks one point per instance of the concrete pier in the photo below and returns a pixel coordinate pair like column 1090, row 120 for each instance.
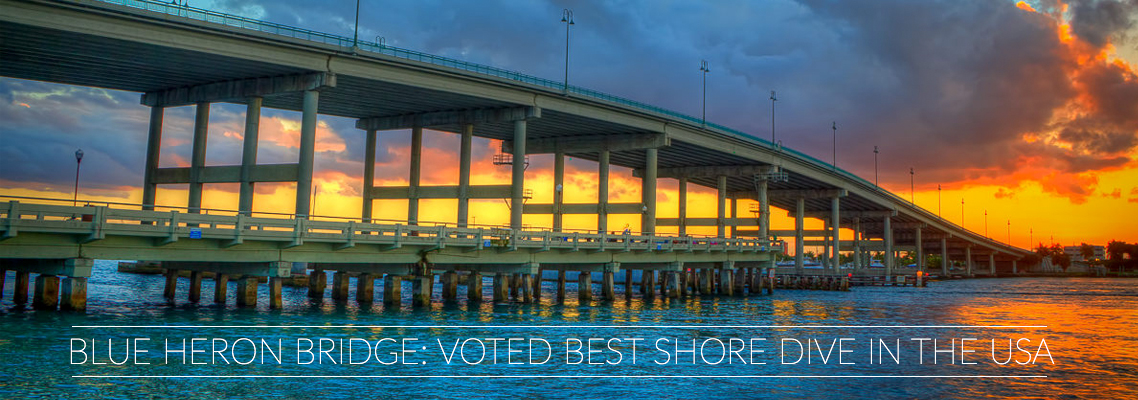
column 171, row 285
column 628, row 284
column 608, row 290
column 526, row 289
column 648, row 283
column 365, row 288
column 195, row 286
column 561, row 286
column 421, row 288
column 247, row 292
column 20, row 292
column 73, row 294
column 392, row 290
column 671, row 284
column 46, row 295
column 276, row 295
column 450, row 286
column 501, row 287
column 220, row 288
column 340, row 282
column 474, row 287
column 584, row 287
column 317, row 281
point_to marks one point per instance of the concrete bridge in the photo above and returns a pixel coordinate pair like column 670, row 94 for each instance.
column 177, row 56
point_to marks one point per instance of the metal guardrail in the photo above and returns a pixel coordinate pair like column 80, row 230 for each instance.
column 92, row 223
column 380, row 47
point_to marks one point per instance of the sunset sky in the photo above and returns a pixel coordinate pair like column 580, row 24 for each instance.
column 1027, row 110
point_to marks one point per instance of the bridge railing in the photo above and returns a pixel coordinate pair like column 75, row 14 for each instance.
column 95, row 222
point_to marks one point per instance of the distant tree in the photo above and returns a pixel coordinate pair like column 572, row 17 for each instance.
column 1061, row 259
column 1031, row 259
column 1087, row 251
column 1042, row 250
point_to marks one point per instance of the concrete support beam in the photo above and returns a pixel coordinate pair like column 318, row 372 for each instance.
column 307, row 154
column 474, row 287
column 276, row 295
column 683, row 207
column 721, row 206
column 317, row 282
column 153, row 150
column 558, row 189
column 195, row 294
column 603, row 190
column 853, row 214
column 464, row 157
column 73, row 294
column 239, row 89
column 799, row 258
column 197, row 157
column 247, row 292
column 440, row 192
column 710, row 171
column 392, row 290
column 421, row 288
column 443, row 118
column 648, row 192
column 595, row 143
column 340, row 283
column 415, row 175
column 365, row 288
column 221, row 288
column 517, row 181
column 807, row 193
column 46, row 294
column 449, row 280
column 249, row 154
column 584, row 287
column 369, row 178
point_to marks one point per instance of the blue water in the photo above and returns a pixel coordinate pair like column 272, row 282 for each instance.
column 1091, row 334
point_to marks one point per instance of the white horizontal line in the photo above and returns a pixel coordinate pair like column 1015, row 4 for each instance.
column 556, row 326
column 556, row 376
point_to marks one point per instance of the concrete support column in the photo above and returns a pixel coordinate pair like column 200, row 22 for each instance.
column 739, row 280
column 517, row 182
column 825, row 261
column 683, row 212
column 73, row 294
column 628, row 283
column 992, row 264
column 450, row 285
column 648, row 192
column 584, row 287
column 968, row 260
column 392, row 290
column 527, row 288
column 307, row 154
column 220, row 288
column 721, row 214
column 501, row 287
column 340, row 282
column 725, row 285
column 153, row 147
column 608, row 291
column 1014, row 270
column 365, row 288
column 888, row 247
column 734, row 217
column 671, row 284
column 415, row 175
column 20, row 291
column 603, row 191
column 515, row 285
column 249, row 154
column 535, row 282
column 835, row 226
column 317, row 281
column 369, row 176
column 421, row 288
column 558, row 189
column 920, row 251
column 799, row 244
column 648, row 283
column 765, row 213
column 197, row 156
column 464, row 176
column 706, row 284
column 685, row 280
column 276, row 295
column 195, row 286
column 474, row 287
column 247, row 292
column 560, row 285
column 3, row 277
column 857, row 243
column 46, row 295
column 944, row 256
column 167, row 293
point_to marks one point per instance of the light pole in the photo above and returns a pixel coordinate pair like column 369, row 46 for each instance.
column 985, row 223
column 773, row 99
column 705, row 70
column 962, row 213
column 835, row 128
column 356, row 34
column 567, row 18
column 876, row 182
column 912, row 195
column 1009, row 232
column 78, row 161
column 938, row 201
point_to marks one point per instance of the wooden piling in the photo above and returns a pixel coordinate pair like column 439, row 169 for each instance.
column 46, row 295
column 195, row 286
column 474, row 287
column 365, row 288
column 450, row 286
column 20, row 291
column 317, row 280
column 247, row 292
column 584, row 287
column 171, row 284
column 392, row 290
column 276, row 297
column 221, row 288
column 73, row 294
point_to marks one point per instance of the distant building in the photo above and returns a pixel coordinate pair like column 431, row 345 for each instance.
column 1076, row 253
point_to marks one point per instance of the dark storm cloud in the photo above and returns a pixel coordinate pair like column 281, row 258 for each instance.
column 1096, row 21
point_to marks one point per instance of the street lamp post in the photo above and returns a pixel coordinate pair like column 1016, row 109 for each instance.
column 938, row 201
column 567, row 18
column 773, row 99
column 356, row 34
column 78, row 161
column 962, row 213
column 1009, row 232
column 876, row 182
column 834, row 126
column 912, row 195
column 985, row 223
column 703, row 67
